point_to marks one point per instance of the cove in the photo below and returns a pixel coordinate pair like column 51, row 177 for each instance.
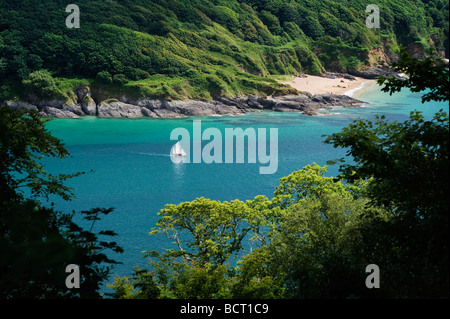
column 133, row 173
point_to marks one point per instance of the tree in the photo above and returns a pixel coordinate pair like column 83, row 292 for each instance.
column 408, row 161
column 308, row 182
column 314, row 245
column 201, row 282
column 312, row 27
column 42, row 84
column 119, row 79
column 104, row 77
column 206, row 235
column 23, row 141
column 203, row 230
column 429, row 74
column 37, row 242
column 257, row 276
column 271, row 21
column 408, row 167
column 317, row 247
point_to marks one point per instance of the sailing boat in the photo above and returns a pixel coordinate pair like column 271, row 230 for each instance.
column 177, row 150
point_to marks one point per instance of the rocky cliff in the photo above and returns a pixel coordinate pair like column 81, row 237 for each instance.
column 128, row 108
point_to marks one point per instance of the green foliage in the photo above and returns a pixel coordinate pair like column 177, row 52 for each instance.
column 271, row 21
column 309, row 182
column 429, row 74
column 408, row 164
column 318, row 247
column 37, row 242
column 146, row 39
column 140, row 286
column 201, row 282
column 257, row 277
column 23, row 141
column 203, row 230
column 119, row 79
column 42, row 84
column 383, row 155
column 104, row 77
column 408, row 167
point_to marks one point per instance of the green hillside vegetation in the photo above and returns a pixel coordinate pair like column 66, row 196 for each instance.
column 200, row 48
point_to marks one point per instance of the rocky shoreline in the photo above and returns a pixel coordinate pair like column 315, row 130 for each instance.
column 127, row 108
column 84, row 104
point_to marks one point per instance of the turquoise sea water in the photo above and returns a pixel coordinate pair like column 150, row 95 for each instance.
column 134, row 174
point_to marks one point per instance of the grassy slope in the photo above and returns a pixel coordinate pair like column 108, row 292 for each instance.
column 200, row 49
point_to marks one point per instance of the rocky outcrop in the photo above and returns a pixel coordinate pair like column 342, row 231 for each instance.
column 88, row 106
column 118, row 109
column 58, row 113
column 160, row 108
column 21, row 105
column 373, row 73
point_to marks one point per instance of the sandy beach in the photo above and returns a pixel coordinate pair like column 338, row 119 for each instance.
column 320, row 85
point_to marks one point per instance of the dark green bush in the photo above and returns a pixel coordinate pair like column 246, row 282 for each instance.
column 119, row 79
column 104, row 77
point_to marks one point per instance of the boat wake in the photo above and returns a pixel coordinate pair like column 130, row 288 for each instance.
column 153, row 154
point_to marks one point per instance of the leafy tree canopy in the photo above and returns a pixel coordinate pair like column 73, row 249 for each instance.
column 37, row 242
column 408, row 167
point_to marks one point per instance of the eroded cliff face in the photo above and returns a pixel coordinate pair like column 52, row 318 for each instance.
column 383, row 56
column 379, row 60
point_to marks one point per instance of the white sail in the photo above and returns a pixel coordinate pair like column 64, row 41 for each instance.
column 177, row 150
